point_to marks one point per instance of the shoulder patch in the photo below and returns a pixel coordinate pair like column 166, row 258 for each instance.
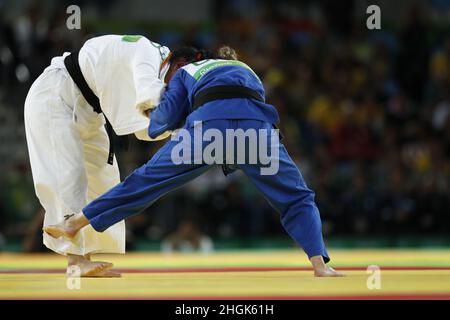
column 131, row 38
column 163, row 51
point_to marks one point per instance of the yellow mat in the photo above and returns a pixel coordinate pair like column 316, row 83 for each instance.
column 404, row 274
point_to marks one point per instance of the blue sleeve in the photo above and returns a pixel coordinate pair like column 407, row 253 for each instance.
column 173, row 108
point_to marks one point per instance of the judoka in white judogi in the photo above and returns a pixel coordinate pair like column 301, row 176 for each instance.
column 67, row 141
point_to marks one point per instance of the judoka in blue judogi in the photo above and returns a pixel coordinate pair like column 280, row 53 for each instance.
column 216, row 96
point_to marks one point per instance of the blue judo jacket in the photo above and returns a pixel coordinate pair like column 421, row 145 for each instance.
column 176, row 103
column 286, row 190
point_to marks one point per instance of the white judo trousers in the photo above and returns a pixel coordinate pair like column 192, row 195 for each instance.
column 68, row 149
column 67, row 141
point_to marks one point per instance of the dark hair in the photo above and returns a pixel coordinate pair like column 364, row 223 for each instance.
column 190, row 54
column 224, row 52
column 184, row 53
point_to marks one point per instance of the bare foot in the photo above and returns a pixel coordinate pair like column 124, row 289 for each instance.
column 60, row 230
column 109, row 274
column 82, row 266
column 328, row 272
column 67, row 228
column 90, row 268
column 321, row 269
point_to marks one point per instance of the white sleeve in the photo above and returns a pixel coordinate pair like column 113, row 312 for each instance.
column 143, row 135
column 149, row 87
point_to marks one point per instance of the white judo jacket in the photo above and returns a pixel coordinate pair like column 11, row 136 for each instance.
column 67, row 142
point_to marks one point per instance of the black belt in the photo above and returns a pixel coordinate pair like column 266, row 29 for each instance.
column 227, row 92
column 224, row 92
column 73, row 67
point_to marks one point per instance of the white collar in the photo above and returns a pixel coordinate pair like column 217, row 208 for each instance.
column 163, row 71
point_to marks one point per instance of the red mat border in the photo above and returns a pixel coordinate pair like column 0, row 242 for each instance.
column 221, row 269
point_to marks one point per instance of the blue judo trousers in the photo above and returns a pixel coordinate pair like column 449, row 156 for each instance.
column 286, row 190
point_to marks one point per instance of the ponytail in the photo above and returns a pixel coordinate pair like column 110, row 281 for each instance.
column 226, row 53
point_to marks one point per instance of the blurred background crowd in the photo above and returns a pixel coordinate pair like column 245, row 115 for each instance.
column 365, row 113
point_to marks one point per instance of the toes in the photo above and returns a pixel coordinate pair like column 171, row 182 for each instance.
column 52, row 231
column 95, row 270
column 109, row 274
column 105, row 264
column 336, row 273
column 57, row 231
